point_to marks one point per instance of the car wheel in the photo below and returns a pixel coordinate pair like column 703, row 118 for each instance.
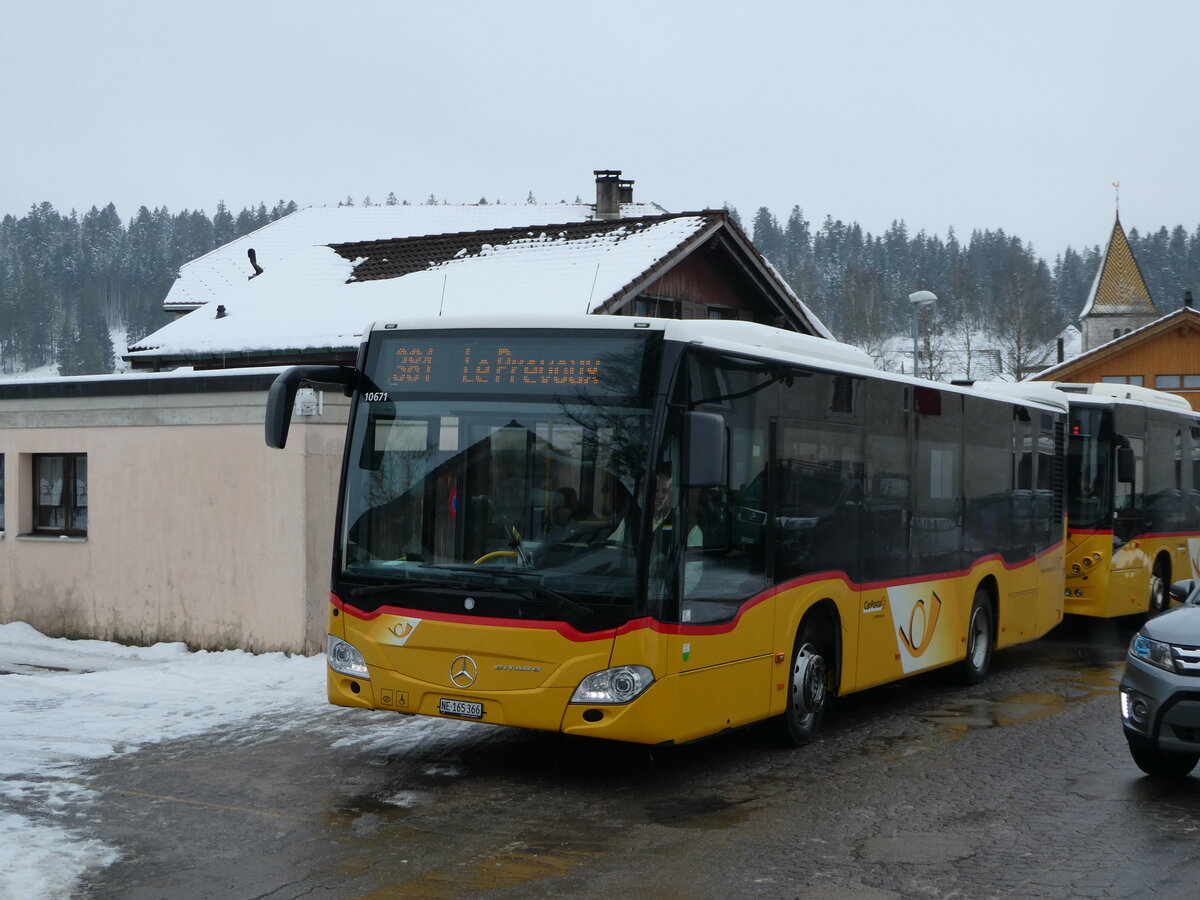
column 1158, row 589
column 979, row 639
column 1163, row 763
column 808, row 685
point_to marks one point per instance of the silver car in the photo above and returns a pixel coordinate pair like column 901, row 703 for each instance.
column 1160, row 690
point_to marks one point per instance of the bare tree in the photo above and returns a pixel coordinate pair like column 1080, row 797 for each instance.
column 1027, row 320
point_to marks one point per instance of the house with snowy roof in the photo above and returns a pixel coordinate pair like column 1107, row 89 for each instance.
column 146, row 506
column 304, row 288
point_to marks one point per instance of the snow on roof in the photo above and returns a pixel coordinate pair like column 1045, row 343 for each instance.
column 1108, row 345
column 209, row 277
column 303, row 299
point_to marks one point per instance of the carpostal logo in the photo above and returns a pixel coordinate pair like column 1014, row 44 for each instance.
column 401, row 630
column 921, row 624
column 875, row 605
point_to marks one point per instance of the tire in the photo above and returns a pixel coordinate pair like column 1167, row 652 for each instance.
column 808, row 684
column 980, row 642
column 1163, row 763
column 1159, row 601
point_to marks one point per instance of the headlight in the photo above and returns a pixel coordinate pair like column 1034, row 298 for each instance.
column 1154, row 652
column 619, row 685
column 346, row 660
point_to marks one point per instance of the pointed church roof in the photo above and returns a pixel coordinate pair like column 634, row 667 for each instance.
column 1119, row 288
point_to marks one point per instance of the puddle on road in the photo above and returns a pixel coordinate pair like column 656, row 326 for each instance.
column 711, row 811
column 973, row 713
column 517, row 863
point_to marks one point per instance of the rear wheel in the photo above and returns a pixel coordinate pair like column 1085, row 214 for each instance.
column 808, row 685
column 1158, row 589
column 979, row 639
column 1163, row 763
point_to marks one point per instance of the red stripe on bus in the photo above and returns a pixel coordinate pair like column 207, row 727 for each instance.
column 645, row 622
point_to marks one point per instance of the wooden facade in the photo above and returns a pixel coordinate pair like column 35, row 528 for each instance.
column 707, row 284
column 1164, row 355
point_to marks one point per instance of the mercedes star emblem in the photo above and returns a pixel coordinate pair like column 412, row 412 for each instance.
column 463, row 671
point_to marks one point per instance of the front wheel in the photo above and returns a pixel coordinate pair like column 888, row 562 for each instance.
column 808, row 686
column 1163, row 763
column 979, row 639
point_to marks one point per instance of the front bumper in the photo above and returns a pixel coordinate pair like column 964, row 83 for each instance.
column 1160, row 709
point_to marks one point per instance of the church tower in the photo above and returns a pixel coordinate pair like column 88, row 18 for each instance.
column 1119, row 301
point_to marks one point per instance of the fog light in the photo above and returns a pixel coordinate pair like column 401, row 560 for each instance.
column 1135, row 709
column 1078, row 592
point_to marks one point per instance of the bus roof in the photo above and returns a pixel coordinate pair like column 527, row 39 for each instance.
column 1104, row 391
column 735, row 336
column 725, row 334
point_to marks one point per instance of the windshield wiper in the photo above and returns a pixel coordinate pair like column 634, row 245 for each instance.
column 561, row 602
column 367, row 590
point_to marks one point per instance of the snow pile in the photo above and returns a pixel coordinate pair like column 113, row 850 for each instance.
column 64, row 703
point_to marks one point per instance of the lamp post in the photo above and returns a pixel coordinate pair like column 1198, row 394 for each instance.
column 919, row 300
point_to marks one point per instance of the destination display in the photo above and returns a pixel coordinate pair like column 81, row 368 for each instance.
column 538, row 364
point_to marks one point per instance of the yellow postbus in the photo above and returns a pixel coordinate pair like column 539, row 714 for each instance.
column 655, row 530
column 1133, row 498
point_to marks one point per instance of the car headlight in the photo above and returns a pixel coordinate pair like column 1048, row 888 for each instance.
column 1156, row 653
column 619, row 685
column 346, row 660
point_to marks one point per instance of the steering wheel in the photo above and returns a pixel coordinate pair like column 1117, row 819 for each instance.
column 494, row 554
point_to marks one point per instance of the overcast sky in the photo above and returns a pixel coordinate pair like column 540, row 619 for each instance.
column 1012, row 114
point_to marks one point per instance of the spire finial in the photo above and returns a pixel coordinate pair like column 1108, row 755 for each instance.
column 1117, row 192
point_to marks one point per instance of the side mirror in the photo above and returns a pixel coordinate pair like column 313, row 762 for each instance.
column 282, row 396
column 1181, row 590
column 704, row 440
column 1125, row 466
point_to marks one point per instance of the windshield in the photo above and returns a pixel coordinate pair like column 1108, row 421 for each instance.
column 1089, row 469
column 474, row 472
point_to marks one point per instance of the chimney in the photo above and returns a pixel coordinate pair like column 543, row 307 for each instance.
column 1062, row 350
column 1187, row 299
column 625, row 190
column 608, row 193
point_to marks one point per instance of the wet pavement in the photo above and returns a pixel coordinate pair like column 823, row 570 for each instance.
column 1018, row 787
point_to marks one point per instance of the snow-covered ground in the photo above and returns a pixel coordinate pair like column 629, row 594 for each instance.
column 66, row 703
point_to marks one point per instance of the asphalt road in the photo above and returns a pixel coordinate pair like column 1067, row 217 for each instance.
column 1019, row 787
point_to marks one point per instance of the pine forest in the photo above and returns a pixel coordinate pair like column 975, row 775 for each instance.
column 75, row 289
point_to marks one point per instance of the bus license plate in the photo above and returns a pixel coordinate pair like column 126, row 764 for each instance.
column 460, row 708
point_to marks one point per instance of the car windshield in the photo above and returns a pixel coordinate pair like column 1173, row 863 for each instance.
column 514, row 497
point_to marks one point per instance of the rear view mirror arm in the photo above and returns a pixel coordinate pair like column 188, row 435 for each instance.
column 282, row 396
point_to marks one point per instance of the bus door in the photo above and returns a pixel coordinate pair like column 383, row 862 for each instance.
column 887, row 517
column 818, row 492
column 929, row 612
column 1129, row 581
column 720, row 618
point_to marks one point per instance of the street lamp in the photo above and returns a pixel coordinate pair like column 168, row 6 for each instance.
column 919, row 300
